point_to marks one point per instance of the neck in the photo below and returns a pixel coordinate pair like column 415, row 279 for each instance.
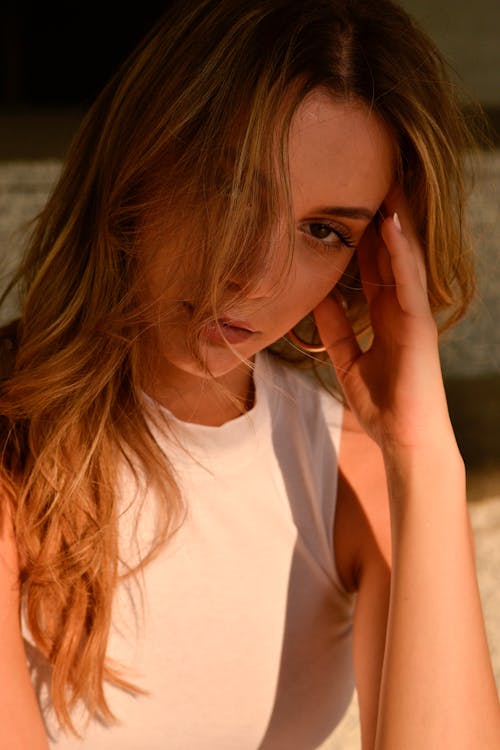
column 203, row 400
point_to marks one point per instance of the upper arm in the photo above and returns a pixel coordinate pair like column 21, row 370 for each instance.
column 363, row 552
column 20, row 718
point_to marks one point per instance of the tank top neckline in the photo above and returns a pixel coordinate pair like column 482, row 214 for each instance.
column 227, row 446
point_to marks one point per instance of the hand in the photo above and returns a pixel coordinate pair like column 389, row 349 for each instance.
column 395, row 388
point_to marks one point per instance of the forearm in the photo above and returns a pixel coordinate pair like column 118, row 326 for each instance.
column 438, row 689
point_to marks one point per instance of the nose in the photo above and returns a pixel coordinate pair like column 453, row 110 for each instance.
column 263, row 286
column 264, row 282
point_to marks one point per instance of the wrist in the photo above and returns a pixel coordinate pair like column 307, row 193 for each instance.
column 433, row 469
column 437, row 451
column 432, row 435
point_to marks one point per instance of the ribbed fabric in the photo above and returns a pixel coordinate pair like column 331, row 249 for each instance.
column 243, row 635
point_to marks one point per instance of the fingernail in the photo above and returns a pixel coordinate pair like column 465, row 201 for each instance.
column 396, row 221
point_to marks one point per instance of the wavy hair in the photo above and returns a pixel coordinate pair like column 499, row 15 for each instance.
column 180, row 138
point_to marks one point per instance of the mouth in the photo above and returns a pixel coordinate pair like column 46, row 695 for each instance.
column 223, row 331
column 237, row 324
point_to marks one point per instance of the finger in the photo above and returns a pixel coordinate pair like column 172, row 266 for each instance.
column 337, row 335
column 396, row 202
column 410, row 288
column 366, row 253
column 384, row 266
column 414, row 243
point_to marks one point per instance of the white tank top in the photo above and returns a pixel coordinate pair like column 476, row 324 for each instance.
column 242, row 637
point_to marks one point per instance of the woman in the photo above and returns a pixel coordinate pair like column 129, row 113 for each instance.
column 199, row 536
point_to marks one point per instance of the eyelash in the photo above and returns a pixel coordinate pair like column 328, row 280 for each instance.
column 343, row 237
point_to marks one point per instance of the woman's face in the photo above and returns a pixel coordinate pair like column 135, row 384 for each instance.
column 342, row 159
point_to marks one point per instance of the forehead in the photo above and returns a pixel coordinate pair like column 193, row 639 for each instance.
column 340, row 151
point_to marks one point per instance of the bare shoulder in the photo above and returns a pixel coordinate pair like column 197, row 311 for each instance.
column 19, row 714
column 362, row 523
column 9, row 566
column 362, row 543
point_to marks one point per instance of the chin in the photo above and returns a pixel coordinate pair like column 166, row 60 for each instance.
column 222, row 360
column 219, row 361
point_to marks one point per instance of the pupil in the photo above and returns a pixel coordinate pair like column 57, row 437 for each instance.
column 320, row 230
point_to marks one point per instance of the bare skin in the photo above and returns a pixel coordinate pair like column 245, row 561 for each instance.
column 341, row 156
column 423, row 670
column 20, row 718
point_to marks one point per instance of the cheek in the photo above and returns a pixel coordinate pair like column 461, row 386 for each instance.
column 312, row 282
column 318, row 274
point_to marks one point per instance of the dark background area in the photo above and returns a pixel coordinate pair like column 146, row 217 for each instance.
column 54, row 60
column 60, row 56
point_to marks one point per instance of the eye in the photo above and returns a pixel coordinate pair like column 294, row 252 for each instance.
column 327, row 234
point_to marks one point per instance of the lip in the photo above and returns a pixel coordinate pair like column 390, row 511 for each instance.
column 232, row 323
column 227, row 331
column 223, row 331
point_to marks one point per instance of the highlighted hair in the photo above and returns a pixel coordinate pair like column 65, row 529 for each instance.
column 177, row 145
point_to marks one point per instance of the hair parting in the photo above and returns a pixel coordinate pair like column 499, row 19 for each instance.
column 188, row 141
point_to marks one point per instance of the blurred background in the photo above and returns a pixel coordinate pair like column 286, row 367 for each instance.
column 54, row 59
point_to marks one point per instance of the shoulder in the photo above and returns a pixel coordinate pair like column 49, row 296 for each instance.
column 19, row 713
column 9, row 574
column 304, row 413
column 362, row 538
column 362, row 528
column 362, row 543
column 300, row 390
column 9, row 567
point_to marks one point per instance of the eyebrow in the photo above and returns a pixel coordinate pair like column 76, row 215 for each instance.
column 347, row 212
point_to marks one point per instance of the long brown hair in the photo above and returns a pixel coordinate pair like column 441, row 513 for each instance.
column 182, row 135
